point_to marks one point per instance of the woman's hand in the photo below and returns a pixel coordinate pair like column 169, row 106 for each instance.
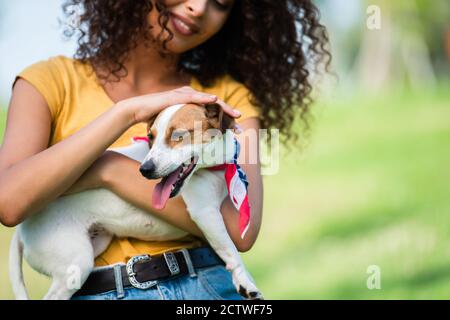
column 143, row 108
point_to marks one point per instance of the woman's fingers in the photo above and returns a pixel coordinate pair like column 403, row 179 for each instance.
column 189, row 95
column 228, row 109
column 145, row 107
column 192, row 96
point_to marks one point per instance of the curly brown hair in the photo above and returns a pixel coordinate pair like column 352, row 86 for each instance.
column 270, row 46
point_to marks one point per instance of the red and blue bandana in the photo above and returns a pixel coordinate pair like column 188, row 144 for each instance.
column 237, row 185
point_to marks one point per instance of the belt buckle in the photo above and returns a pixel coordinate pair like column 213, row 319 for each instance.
column 132, row 275
column 172, row 263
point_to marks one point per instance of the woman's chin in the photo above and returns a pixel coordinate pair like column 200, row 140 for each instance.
column 179, row 46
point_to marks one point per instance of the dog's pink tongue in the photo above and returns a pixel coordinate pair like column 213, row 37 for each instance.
column 162, row 190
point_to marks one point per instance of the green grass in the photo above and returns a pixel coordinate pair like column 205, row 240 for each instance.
column 372, row 188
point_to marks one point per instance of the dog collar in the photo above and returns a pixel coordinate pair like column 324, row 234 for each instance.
column 237, row 185
column 140, row 139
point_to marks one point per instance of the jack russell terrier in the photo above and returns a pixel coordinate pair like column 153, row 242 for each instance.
column 74, row 229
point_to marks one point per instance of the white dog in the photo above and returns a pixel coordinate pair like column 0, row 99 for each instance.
column 75, row 229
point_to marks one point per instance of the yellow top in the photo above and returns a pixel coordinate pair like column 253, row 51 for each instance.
column 75, row 98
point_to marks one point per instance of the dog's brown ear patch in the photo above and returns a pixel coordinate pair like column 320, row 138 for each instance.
column 151, row 134
column 217, row 118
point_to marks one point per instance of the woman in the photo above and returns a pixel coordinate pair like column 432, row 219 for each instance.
column 134, row 59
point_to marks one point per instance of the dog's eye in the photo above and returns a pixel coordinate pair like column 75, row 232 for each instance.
column 180, row 135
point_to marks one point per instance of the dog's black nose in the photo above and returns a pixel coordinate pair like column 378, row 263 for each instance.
column 147, row 169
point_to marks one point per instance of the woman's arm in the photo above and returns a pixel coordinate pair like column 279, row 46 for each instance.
column 121, row 175
column 31, row 175
column 255, row 189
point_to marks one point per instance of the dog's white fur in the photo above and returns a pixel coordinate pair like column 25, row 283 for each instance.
column 75, row 229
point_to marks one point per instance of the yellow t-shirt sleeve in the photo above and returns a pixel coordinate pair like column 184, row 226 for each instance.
column 46, row 77
column 238, row 97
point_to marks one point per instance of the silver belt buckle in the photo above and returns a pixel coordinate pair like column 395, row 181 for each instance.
column 172, row 263
column 132, row 275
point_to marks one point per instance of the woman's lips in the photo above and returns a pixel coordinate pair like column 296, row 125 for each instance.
column 180, row 26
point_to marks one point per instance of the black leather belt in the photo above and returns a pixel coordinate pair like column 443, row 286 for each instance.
column 143, row 271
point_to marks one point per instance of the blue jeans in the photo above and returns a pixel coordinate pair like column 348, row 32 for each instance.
column 212, row 283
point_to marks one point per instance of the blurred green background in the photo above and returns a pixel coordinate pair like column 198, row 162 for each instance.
column 372, row 185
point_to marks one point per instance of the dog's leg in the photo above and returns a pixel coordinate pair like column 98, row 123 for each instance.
column 65, row 284
column 204, row 209
column 210, row 221
column 71, row 269
column 58, row 291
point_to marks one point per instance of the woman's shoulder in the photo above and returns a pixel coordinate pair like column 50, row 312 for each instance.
column 60, row 60
column 53, row 78
column 59, row 66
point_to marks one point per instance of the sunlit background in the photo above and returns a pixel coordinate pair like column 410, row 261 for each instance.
column 370, row 192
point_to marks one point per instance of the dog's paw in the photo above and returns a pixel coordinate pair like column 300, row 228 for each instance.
column 251, row 295
column 245, row 286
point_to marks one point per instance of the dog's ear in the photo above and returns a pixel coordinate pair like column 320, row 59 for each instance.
column 217, row 118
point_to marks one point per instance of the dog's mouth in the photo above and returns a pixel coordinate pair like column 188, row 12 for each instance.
column 170, row 185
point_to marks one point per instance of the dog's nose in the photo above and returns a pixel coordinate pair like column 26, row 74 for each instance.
column 147, row 169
